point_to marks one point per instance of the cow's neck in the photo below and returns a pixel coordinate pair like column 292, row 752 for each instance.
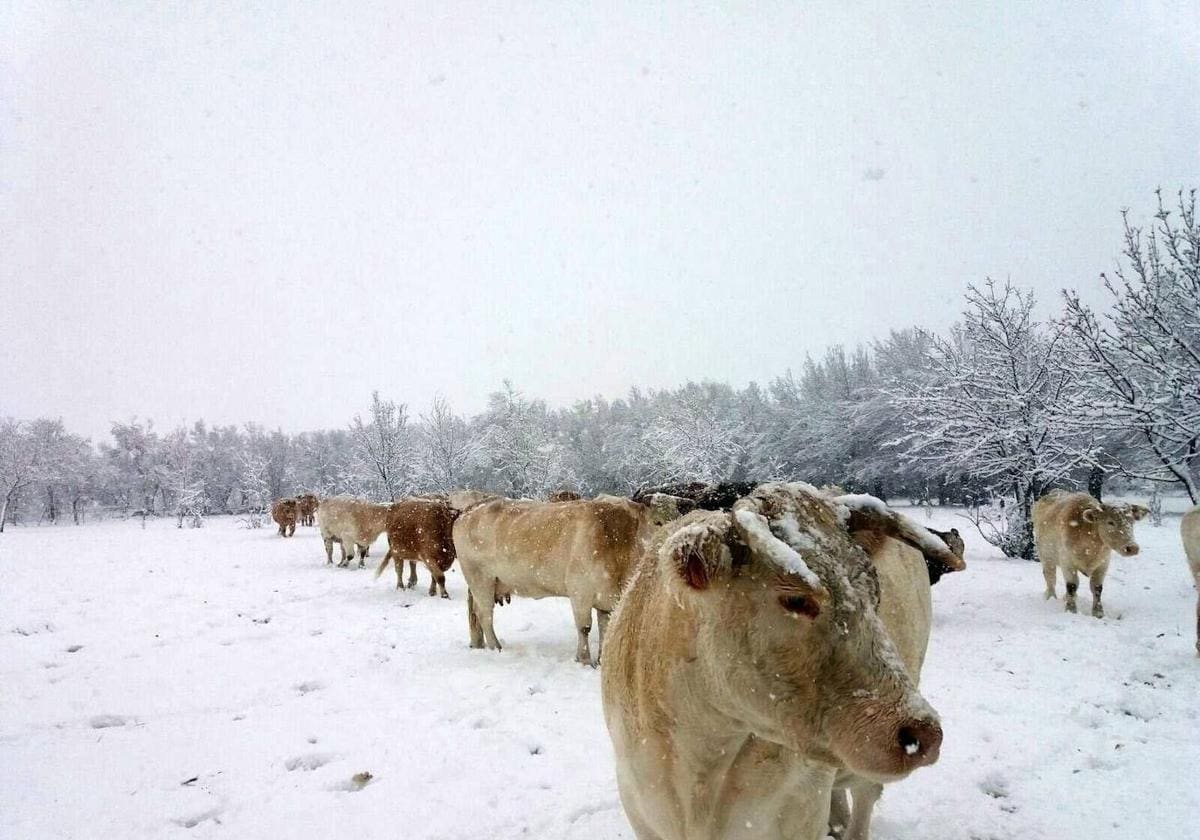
column 732, row 784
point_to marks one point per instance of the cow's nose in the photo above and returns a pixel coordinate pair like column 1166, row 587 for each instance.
column 920, row 739
column 1131, row 549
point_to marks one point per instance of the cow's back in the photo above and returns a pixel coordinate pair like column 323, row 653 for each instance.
column 540, row 549
column 905, row 605
column 1060, row 531
column 422, row 529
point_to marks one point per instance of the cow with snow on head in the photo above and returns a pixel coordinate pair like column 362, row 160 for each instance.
column 1077, row 533
column 747, row 665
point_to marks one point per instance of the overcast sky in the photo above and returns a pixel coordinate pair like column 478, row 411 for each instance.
column 239, row 215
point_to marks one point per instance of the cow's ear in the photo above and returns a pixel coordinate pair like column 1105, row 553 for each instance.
column 697, row 553
column 1090, row 514
column 954, row 531
column 1138, row 512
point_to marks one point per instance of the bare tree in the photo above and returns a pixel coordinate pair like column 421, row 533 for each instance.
column 1141, row 360
column 991, row 407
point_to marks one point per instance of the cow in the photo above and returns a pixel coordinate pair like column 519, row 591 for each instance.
column 936, row 567
column 563, row 496
column 704, row 495
column 420, row 529
column 354, row 523
column 307, row 505
column 1077, row 533
column 580, row 550
column 747, row 662
column 907, row 563
column 283, row 511
column 463, row 500
column 1189, row 529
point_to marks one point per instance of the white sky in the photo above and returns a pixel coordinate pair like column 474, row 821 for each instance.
column 264, row 215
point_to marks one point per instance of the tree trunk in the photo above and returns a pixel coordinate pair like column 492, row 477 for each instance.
column 1095, row 484
column 3, row 514
column 877, row 491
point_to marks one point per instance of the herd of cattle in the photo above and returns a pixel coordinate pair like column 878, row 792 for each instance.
column 762, row 644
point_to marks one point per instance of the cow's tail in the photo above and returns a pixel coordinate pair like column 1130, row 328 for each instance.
column 387, row 558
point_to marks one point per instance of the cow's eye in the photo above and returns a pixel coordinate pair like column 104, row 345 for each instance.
column 800, row 605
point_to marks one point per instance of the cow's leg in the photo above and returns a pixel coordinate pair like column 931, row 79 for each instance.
column 328, row 549
column 1071, row 576
column 839, row 813
column 399, row 564
column 362, row 555
column 1050, row 573
column 346, row 560
column 292, row 530
column 581, row 607
column 473, row 625
column 864, row 796
column 412, row 575
column 601, row 629
column 485, row 602
column 1096, row 583
column 441, row 583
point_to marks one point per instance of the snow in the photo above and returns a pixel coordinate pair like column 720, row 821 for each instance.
column 756, row 529
column 225, row 683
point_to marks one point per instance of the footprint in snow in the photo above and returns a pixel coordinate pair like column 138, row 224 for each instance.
column 309, row 686
column 74, row 648
column 194, row 820
column 108, row 721
column 309, row 761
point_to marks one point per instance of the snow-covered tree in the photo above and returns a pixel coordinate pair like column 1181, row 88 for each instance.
column 383, row 445
column 991, row 407
column 697, row 434
column 183, row 481
column 518, row 446
column 18, row 465
column 1141, row 360
column 254, row 488
column 443, row 449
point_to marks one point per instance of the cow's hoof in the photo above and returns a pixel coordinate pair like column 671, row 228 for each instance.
column 476, row 645
column 446, row 595
column 1050, row 596
column 1071, row 608
column 1097, row 613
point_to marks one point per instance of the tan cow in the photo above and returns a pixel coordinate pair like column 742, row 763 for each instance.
column 354, row 523
column 420, row 529
column 907, row 568
column 284, row 512
column 579, row 550
column 307, row 505
column 747, row 662
column 1077, row 533
column 1189, row 529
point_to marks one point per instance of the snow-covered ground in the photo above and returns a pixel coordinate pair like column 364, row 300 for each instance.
column 224, row 682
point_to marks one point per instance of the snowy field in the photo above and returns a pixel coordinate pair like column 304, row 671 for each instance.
column 224, row 682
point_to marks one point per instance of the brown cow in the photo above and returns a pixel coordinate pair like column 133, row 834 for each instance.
column 1189, row 529
column 563, row 496
column 578, row 550
column 283, row 511
column 354, row 523
column 307, row 505
column 1077, row 533
column 747, row 662
column 420, row 529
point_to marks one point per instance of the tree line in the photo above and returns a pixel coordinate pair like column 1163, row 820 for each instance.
column 988, row 414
